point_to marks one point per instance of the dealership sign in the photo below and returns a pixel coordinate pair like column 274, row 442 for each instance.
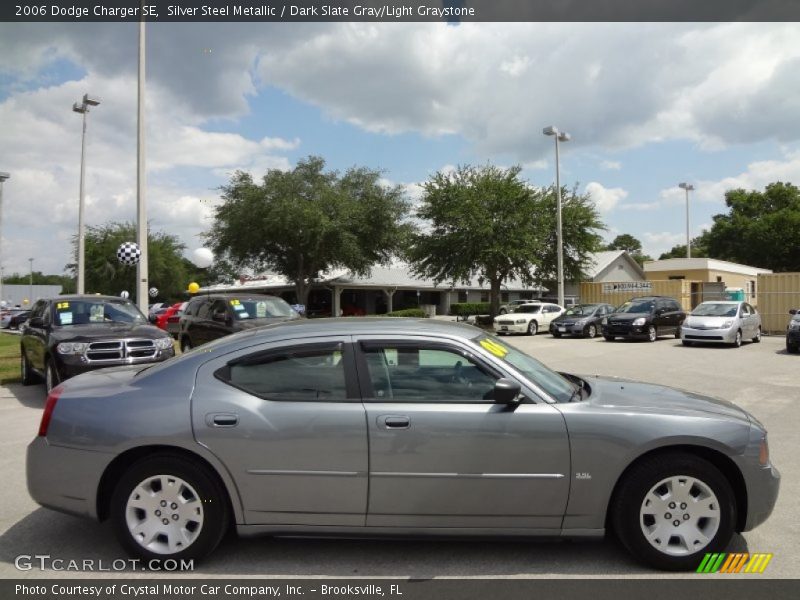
column 628, row 286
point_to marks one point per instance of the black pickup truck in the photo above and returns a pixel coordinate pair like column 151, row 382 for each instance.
column 69, row 335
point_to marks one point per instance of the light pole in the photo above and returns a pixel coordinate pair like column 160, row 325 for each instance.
column 141, row 207
column 559, row 136
column 3, row 178
column 83, row 109
column 687, row 187
column 30, row 283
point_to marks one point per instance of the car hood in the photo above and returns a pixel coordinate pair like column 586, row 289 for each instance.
column 570, row 319
column 99, row 331
column 637, row 396
column 709, row 322
column 626, row 316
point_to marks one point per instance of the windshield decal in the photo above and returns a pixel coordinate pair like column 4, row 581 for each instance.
column 495, row 348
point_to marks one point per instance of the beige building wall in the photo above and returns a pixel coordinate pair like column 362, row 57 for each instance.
column 732, row 280
column 777, row 294
column 680, row 289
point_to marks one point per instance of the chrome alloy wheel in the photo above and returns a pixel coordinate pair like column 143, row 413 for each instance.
column 164, row 514
column 680, row 515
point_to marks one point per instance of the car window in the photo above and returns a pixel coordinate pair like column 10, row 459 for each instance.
column 745, row 310
column 259, row 308
column 302, row 373
column 636, row 307
column 84, row 312
column 529, row 308
column 193, row 307
column 204, row 310
column 415, row 373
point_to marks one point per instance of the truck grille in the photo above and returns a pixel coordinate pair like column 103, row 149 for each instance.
column 120, row 351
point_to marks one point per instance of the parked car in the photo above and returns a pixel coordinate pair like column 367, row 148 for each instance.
column 69, row 335
column 154, row 308
column 13, row 317
column 512, row 306
column 174, row 320
column 581, row 319
column 793, row 332
column 214, row 316
column 645, row 317
column 391, row 426
column 720, row 321
column 528, row 318
column 161, row 318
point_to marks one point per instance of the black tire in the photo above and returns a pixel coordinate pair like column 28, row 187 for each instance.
column 186, row 344
column 555, row 334
column 591, row 331
column 678, row 333
column 28, row 377
column 503, row 311
column 686, row 342
column 210, row 494
column 533, row 328
column 652, row 333
column 792, row 348
column 609, row 338
column 51, row 378
column 737, row 341
column 757, row 339
column 629, row 502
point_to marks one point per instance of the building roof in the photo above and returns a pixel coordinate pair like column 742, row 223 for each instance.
column 702, row 264
column 600, row 261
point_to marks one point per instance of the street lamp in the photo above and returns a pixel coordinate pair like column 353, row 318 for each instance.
column 3, row 177
column 559, row 136
column 687, row 187
column 141, row 205
column 82, row 108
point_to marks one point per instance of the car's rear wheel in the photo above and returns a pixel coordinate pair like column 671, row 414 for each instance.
column 169, row 507
column 652, row 333
column 51, row 378
column 591, row 331
column 671, row 509
column 533, row 328
column 737, row 341
column 186, row 344
column 757, row 339
column 28, row 376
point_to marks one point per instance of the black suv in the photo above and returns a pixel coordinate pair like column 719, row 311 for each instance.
column 793, row 332
column 69, row 335
column 646, row 317
column 210, row 317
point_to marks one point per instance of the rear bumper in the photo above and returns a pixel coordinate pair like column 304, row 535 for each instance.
column 65, row 479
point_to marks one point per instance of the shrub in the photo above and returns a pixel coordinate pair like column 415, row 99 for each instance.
column 465, row 309
column 407, row 312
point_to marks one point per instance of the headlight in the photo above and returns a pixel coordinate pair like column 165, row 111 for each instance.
column 794, row 325
column 638, row 322
column 71, row 348
column 520, row 321
column 726, row 324
column 604, row 321
column 163, row 343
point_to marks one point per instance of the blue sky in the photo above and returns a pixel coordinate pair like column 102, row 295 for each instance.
column 647, row 105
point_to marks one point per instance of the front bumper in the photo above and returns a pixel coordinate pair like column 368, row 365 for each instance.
column 719, row 336
column 763, row 485
column 628, row 331
column 568, row 328
column 514, row 328
column 793, row 336
column 65, row 479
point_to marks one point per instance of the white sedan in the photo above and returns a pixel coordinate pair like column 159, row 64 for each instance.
column 528, row 318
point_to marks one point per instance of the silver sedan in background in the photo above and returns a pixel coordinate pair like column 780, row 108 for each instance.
column 722, row 322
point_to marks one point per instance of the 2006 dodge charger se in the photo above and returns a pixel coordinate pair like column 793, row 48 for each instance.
column 376, row 426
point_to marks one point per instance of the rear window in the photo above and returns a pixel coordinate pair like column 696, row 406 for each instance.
column 245, row 309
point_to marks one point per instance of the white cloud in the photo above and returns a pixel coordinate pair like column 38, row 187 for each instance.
column 605, row 198
column 611, row 165
column 516, row 66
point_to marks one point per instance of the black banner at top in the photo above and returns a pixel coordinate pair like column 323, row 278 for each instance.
column 399, row 10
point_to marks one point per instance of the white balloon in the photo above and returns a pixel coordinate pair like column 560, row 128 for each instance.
column 124, row 294
column 202, row 257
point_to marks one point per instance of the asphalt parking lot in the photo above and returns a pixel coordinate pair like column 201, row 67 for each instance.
column 761, row 378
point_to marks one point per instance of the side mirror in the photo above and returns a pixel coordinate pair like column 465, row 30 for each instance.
column 36, row 322
column 793, row 311
column 506, row 391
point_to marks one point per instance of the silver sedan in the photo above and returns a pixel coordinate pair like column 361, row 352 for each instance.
column 721, row 322
column 376, row 427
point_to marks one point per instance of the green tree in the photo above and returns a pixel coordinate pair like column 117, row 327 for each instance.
column 167, row 269
column 66, row 282
column 761, row 229
column 699, row 249
column 488, row 223
column 625, row 241
column 303, row 222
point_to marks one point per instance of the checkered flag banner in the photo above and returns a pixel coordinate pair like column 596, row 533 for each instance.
column 153, row 292
column 129, row 253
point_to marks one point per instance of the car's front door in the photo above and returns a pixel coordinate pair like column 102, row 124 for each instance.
column 443, row 454
column 287, row 421
column 34, row 335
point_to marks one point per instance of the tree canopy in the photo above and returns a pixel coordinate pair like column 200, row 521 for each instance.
column 487, row 222
column 625, row 241
column 168, row 271
column 303, row 222
column 761, row 229
column 699, row 250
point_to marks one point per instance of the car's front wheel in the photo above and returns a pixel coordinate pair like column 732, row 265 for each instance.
column 169, row 507
column 533, row 328
column 591, row 331
column 51, row 378
column 737, row 341
column 609, row 338
column 671, row 509
column 652, row 333
column 186, row 344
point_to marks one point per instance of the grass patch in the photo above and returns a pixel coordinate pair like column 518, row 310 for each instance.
column 9, row 358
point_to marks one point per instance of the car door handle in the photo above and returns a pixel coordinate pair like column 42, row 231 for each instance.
column 394, row 422
column 222, row 420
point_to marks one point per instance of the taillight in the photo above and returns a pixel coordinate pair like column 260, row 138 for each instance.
column 49, row 406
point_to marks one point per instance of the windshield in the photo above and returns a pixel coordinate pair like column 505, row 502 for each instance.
column 245, row 309
column 86, row 312
column 636, row 307
column 581, row 309
column 528, row 308
column 715, row 309
column 554, row 384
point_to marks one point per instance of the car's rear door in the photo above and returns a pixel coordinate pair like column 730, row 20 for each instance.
column 286, row 419
column 442, row 454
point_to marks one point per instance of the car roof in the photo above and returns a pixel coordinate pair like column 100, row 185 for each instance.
column 76, row 297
